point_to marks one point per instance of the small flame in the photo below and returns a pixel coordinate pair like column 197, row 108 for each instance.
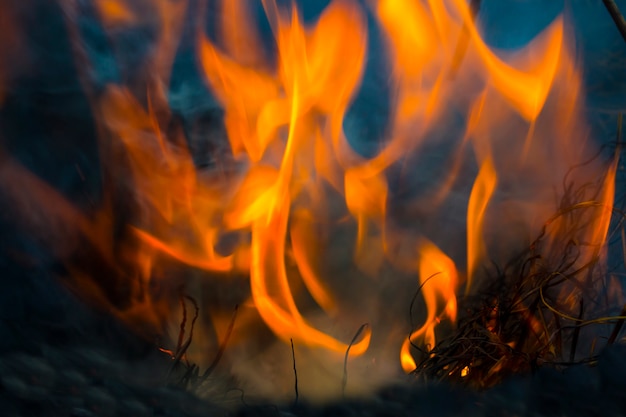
column 115, row 12
column 525, row 91
column 406, row 359
column 606, row 198
column 438, row 282
column 482, row 191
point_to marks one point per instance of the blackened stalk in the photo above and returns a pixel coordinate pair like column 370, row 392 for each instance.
column 572, row 353
column 295, row 371
column 344, row 381
column 222, row 347
column 617, row 328
column 617, row 16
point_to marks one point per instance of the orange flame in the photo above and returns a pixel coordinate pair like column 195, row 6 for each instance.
column 484, row 187
column 315, row 77
column 115, row 12
column 438, row 282
column 600, row 228
column 525, row 91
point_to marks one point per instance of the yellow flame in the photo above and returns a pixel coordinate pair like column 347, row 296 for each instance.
column 318, row 70
column 438, row 282
column 482, row 191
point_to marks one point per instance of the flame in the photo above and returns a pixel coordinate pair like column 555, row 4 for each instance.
column 293, row 182
column 438, row 283
column 482, row 191
column 600, row 228
column 526, row 91
column 303, row 246
column 318, row 70
column 174, row 193
column 589, row 228
column 406, row 359
column 115, row 12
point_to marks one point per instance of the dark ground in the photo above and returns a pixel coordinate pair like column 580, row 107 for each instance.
column 83, row 382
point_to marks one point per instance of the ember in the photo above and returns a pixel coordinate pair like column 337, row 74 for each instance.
column 479, row 196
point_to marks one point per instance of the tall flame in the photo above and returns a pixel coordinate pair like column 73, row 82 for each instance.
column 312, row 86
column 476, row 209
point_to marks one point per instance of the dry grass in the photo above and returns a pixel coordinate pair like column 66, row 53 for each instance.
column 553, row 306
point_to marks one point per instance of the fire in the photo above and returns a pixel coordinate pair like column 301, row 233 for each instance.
column 438, row 282
column 311, row 87
column 115, row 12
column 476, row 209
column 482, row 137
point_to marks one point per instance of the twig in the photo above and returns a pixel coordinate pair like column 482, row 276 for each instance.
column 222, row 347
column 242, row 397
column 295, row 372
column 193, row 323
column 419, row 290
column 190, row 374
column 524, row 294
column 344, row 380
column 183, row 324
column 558, row 335
column 183, row 349
column 624, row 245
column 617, row 328
column 617, row 16
column 572, row 353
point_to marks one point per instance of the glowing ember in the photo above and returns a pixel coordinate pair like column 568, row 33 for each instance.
column 474, row 149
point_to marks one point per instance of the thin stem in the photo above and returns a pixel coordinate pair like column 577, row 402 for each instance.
column 617, row 16
column 295, row 371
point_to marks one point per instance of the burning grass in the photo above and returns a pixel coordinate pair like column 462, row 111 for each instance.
column 544, row 309
column 553, row 305
column 555, row 308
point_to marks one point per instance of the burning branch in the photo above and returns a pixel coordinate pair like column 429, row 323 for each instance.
column 617, row 16
column 487, row 347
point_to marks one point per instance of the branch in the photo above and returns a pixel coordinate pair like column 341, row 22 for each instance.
column 617, row 16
